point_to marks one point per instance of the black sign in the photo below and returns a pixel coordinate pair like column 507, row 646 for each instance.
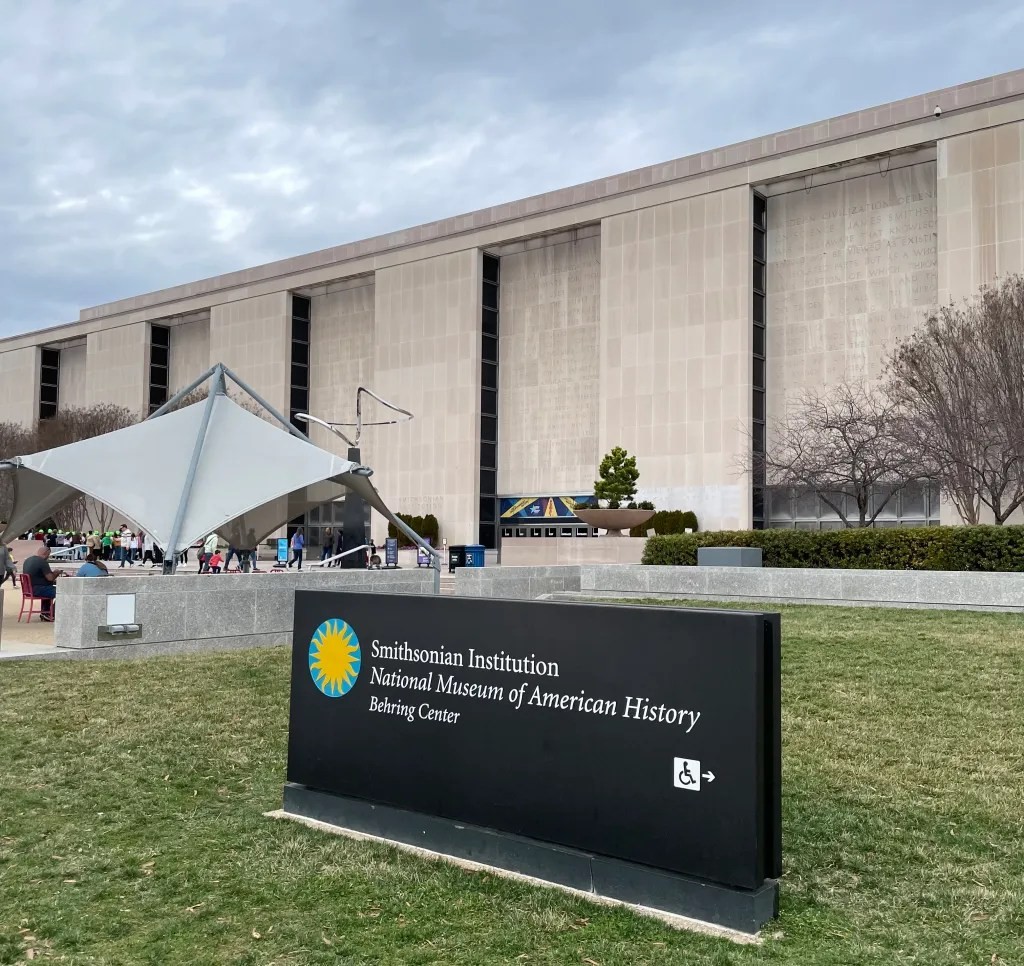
column 646, row 734
column 391, row 552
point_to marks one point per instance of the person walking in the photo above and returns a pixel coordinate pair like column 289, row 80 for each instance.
column 298, row 542
column 124, row 544
column 7, row 568
column 328, row 544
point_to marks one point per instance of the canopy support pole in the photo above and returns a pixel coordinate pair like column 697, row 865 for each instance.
column 182, row 393
column 217, row 389
column 245, row 387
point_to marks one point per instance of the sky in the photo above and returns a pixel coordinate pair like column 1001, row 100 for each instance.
column 150, row 144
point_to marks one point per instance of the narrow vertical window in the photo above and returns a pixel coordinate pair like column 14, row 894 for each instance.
column 49, row 382
column 489, row 302
column 759, row 317
column 159, row 365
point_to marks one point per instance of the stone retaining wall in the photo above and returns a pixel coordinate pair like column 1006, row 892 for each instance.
column 192, row 611
column 880, row 588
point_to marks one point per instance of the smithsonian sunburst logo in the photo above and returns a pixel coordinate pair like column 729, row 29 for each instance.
column 334, row 658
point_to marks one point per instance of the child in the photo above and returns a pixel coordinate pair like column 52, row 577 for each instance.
column 214, row 562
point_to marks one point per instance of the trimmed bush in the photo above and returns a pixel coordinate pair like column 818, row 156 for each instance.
column 425, row 526
column 666, row 521
column 897, row 548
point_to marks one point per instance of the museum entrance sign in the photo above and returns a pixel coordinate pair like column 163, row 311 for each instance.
column 631, row 751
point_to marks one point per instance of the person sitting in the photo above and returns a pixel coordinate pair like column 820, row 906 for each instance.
column 93, row 567
column 38, row 570
column 214, row 563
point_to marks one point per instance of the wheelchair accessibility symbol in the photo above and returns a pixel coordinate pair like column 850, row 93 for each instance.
column 686, row 774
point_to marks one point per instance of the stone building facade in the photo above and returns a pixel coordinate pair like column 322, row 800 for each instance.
column 673, row 310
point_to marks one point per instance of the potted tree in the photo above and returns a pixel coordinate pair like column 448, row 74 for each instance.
column 617, row 485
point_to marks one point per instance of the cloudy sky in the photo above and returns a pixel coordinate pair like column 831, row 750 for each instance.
column 152, row 143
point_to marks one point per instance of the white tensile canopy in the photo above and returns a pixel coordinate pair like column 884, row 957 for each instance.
column 249, row 477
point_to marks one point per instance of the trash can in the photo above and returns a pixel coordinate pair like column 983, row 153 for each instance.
column 456, row 557
column 475, row 555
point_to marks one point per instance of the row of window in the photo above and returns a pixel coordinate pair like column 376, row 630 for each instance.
column 159, row 365
column 49, row 382
column 298, row 400
column 489, row 300
column 759, row 283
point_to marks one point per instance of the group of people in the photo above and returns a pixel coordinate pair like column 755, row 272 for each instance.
column 123, row 545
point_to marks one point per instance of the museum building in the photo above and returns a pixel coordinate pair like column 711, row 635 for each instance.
column 672, row 310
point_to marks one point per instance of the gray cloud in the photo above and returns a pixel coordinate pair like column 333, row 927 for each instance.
column 152, row 144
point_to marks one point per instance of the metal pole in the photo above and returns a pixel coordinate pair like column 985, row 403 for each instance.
column 182, row 393
column 171, row 552
column 270, row 409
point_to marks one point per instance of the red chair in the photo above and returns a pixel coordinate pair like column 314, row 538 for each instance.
column 27, row 597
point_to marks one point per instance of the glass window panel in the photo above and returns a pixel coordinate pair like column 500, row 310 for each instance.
column 758, row 340
column 913, row 501
column 841, row 500
column 300, row 307
column 491, row 268
column 758, row 430
column 490, row 321
column 488, row 482
column 759, row 373
column 488, row 402
column 878, row 497
column 489, row 348
column 489, row 428
column 158, row 376
column 759, row 245
column 488, row 536
column 300, row 353
column 490, row 296
column 48, row 394
column 759, row 308
column 832, row 525
column 488, row 455
column 759, row 404
column 300, row 330
column 489, row 375
column 300, row 377
column 488, row 510
column 49, row 376
column 759, row 275
column 806, row 505
column 760, row 211
column 157, row 395
column 158, row 355
column 47, row 410
column 50, row 357
column 300, row 400
column 160, row 335
column 780, row 504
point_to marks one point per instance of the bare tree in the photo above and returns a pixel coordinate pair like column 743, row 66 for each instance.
column 198, row 395
column 960, row 382
column 15, row 440
column 843, row 446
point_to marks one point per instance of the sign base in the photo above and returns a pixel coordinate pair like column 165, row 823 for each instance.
column 742, row 910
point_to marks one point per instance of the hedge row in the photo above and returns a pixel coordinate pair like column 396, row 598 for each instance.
column 425, row 526
column 903, row 548
column 668, row 521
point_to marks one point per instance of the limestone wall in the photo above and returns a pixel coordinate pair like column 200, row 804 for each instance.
column 427, row 360
column 190, row 353
column 549, row 366
column 72, row 391
column 19, row 385
column 851, row 269
column 117, row 366
column 676, row 350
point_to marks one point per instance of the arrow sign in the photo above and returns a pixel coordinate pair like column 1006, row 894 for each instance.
column 708, row 776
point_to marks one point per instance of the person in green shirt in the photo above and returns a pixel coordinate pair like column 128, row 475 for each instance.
column 108, row 545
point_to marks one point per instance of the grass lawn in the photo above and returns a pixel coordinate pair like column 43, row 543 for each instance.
column 131, row 828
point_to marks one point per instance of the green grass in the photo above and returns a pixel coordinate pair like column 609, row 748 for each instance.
column 131, row 828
